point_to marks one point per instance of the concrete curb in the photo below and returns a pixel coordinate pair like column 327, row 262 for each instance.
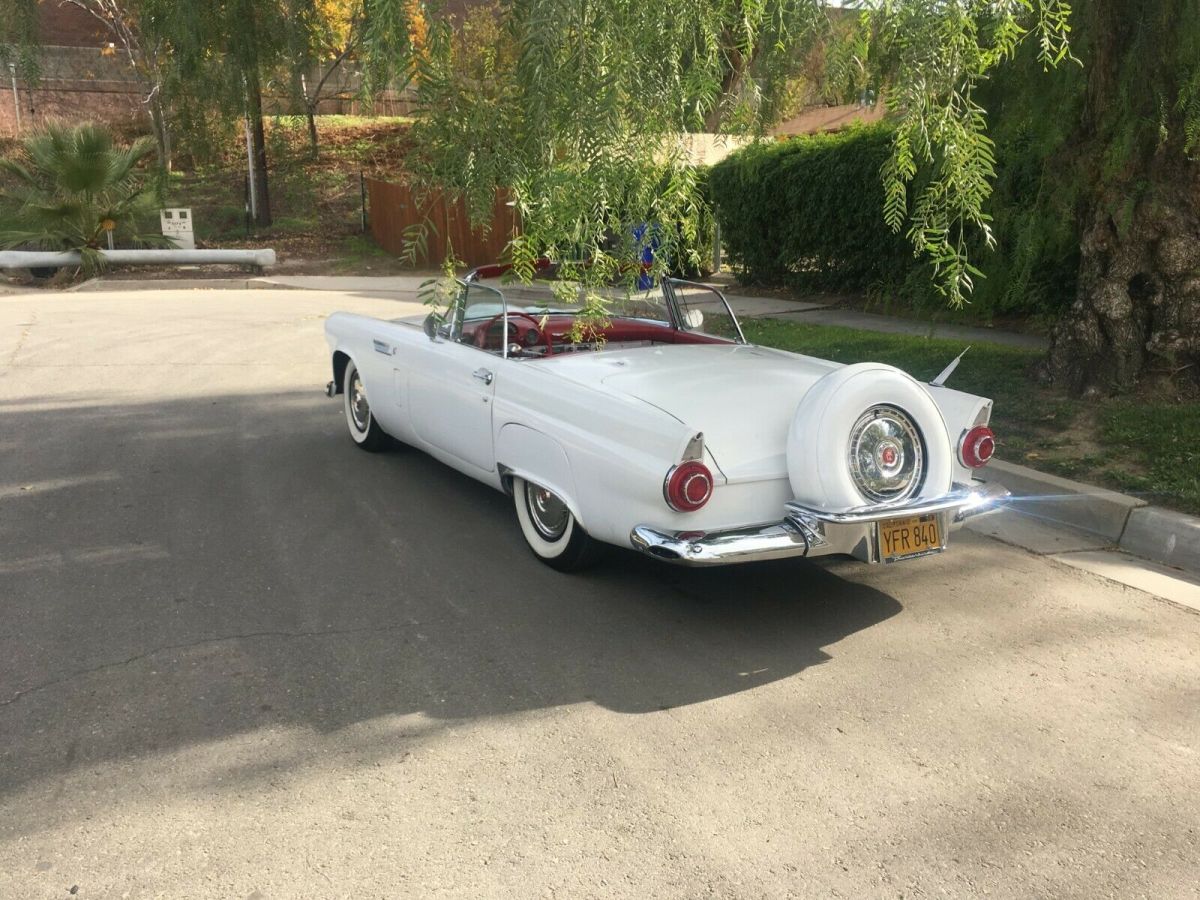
column 1164, row 536
column 1048, row 497
column 251, row 283
column 172, row 284
column 1150, row 532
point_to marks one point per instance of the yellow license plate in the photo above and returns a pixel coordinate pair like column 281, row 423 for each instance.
column 910, row 537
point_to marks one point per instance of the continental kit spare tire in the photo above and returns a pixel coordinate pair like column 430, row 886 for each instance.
column 867, row 434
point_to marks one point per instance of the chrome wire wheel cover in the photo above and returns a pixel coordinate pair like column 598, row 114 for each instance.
column 548, row 513
column 360, row 409
column 887, row 454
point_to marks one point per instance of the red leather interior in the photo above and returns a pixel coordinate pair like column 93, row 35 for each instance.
column 617, row 331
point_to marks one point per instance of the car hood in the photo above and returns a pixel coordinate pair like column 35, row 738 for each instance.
column 741, row 397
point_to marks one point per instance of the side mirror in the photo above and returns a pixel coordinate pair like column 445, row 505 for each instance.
column 435, row 329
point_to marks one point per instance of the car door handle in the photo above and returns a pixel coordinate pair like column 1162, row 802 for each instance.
column 483, row 375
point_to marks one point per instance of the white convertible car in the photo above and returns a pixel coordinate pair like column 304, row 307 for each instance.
column 666, row 431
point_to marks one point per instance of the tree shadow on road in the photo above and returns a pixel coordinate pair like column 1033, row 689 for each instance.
column 186, row 573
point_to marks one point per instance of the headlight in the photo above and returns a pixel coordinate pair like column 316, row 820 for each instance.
column 887, row 454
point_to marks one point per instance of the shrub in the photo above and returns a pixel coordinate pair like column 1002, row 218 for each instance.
column 68, row 188
column 809, row 211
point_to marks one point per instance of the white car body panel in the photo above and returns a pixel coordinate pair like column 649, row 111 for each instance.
column 701, row 384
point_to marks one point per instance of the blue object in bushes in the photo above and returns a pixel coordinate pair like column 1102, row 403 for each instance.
column 645, row 280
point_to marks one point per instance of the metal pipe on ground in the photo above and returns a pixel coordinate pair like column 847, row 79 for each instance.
column 26, row 259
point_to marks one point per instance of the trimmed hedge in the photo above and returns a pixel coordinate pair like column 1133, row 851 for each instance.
column 809, row 211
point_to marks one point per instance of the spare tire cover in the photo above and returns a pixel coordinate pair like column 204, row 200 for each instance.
column 818, row 444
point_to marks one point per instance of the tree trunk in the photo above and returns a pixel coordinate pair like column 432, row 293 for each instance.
column 1137, row 308
column 162, row 134
column 1136, row 311
column 258, row 153
column 313, row 148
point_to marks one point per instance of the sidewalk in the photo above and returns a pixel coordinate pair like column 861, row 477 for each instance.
column 1112, row 535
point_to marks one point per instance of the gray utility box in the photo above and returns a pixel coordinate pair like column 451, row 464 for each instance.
column 177, row 225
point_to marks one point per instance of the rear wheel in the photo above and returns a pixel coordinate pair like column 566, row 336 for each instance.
column 363, row 428
column 550, row 530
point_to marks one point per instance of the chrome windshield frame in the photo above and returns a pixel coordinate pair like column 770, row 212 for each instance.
column 677, row 314
column 458, row 319
column 667, row 285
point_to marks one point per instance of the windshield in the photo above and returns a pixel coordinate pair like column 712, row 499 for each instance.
column 539, row 300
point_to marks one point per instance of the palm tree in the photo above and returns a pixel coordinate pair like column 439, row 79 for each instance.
column 68, row 188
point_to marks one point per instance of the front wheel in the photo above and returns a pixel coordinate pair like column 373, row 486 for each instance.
column 550, row 530
column 363, row 428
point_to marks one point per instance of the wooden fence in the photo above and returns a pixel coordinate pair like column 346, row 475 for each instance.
column 394, row 208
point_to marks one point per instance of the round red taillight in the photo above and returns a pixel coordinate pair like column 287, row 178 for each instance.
column 977, row 447
column 688, row 486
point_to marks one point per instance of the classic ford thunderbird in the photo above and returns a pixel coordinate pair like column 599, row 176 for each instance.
column 664, row 430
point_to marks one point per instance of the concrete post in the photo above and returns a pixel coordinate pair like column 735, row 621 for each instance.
column 12, row 71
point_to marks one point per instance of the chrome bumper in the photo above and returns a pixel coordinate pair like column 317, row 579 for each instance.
column 811, row 532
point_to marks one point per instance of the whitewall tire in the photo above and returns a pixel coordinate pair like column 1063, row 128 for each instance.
column 364, row 430
column 550, row 530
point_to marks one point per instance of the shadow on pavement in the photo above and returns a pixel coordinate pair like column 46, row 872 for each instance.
column 185, row 572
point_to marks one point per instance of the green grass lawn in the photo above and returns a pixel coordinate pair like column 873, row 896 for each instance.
column 1151, row 448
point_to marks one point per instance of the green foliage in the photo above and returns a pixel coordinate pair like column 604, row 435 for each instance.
column 357, row 250
column 392, row 41
column 467, row 89
column 759, row 83
column 933, row 64
column 1039, row 188
column 18, row 39
column 67, row 187
column 217, row 45
column 1029, row 255
column 581, row 102
column 806, row 211
column 579, row 112
column 1188, row 105
column 1061, row 155
column 1144, row 80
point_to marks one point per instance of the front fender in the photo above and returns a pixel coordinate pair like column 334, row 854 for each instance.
column 537, row 457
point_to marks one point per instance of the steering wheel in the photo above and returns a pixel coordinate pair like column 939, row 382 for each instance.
column 481, row 333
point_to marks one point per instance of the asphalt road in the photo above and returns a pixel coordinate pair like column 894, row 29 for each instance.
column 240, row 658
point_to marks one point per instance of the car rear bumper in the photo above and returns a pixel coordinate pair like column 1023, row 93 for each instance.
column 809, row 532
